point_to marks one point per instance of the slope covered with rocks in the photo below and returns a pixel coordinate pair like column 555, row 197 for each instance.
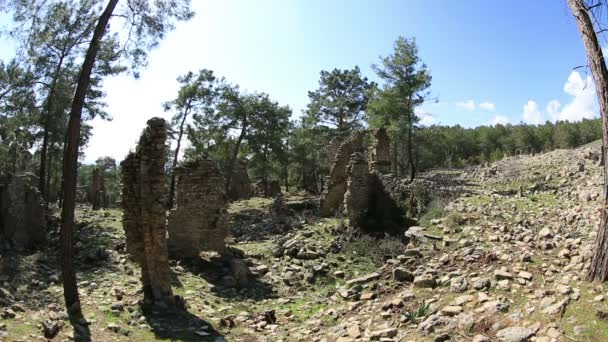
column 500, row 258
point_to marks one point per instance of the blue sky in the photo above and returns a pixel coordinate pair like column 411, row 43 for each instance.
column 491, row 61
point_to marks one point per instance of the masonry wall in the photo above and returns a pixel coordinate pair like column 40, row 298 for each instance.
column 357, row 196
column 380, row 159
column 144, row 212
column 332, row 198
column 199, row 220
column 22, row 214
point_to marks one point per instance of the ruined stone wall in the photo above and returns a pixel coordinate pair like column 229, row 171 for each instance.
column 380, row 159
column 270, row 188
column 332, row 198
column 97, row 190
column 357, row 196
column 22, row 216
column 199, row 220
column 144, row 212
column 240, row 185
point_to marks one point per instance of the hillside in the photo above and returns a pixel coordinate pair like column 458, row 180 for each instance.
column 503, row 260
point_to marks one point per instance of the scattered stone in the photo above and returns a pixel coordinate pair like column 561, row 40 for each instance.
column 515, row 334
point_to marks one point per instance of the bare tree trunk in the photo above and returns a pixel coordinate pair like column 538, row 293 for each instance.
column 235, row 154
column 50, row 110
column 171, row 198
column 70, row 163
column 599, row 261
column 48, row 174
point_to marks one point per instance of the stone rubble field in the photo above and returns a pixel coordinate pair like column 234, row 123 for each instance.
column 503, row 259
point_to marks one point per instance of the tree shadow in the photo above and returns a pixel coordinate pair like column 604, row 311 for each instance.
column 178, row 325
column 82, row 333
column 216, row 270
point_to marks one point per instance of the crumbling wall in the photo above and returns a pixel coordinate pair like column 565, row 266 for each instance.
column 240, row 185
column 332, row 198
column 97, row 190
column 143, row 176
column 357, row 196
column 269, row 188
column 199, row 220
column 379, row 159
column 22, row 216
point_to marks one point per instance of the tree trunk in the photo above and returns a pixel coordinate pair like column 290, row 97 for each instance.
column 171, row 198
column 410, row 153
column 395, row 153
column 599, row 261
column 70, row 163
column 48, row 174
column 50, row 110
column 235, row 154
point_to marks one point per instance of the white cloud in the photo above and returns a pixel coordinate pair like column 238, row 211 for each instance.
column 584, row 102
column 531, row 114
column 500, row 120
column 489, row 106
column 553, row 109
column 582, row 105
column 468, row 105
column 426, row 118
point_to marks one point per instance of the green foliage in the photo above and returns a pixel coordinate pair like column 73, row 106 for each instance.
column 340, row 101
column 407, row 80
column 375, row 249
column 434, row 210
column 412, row 315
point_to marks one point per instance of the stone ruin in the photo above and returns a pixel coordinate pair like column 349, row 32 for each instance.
column 332, row 198
column 269, row 188
column 144, row 221
column 22, row 214
column 199, row 220
column 379, row 154
column 361, row 187
column 240, row 185
column 97, row 190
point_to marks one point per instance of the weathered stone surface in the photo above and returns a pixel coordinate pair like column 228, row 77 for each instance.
column 515, row 334
column 379, row 156
column 143, row 176
column 198, row 221
column 357, row 196
column 97, row 189
column 22, row 220
column 332, row 197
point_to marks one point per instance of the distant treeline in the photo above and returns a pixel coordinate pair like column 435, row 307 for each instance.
column 455, row 146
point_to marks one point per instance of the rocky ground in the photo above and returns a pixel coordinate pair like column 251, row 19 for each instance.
column 502, row 259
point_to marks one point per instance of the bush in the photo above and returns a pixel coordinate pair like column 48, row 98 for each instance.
column 376, row 249
column 434, row 210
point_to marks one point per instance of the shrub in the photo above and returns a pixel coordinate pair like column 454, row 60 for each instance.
column 376, row 249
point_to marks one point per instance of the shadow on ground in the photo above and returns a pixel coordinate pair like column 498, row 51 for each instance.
column 178, row 325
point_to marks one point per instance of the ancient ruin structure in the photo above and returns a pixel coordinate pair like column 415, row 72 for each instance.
column 269, row 188
column 357, row 196
column 22, row 217
column 240, row 185
column 360, row 186
column 279, row 212
column 143, row 177
column 379, row 156
column 332, row 198
column 97, row 190
column 199, row 220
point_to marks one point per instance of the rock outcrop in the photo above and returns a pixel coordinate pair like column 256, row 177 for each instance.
column 199, row 220
column 144, row 221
